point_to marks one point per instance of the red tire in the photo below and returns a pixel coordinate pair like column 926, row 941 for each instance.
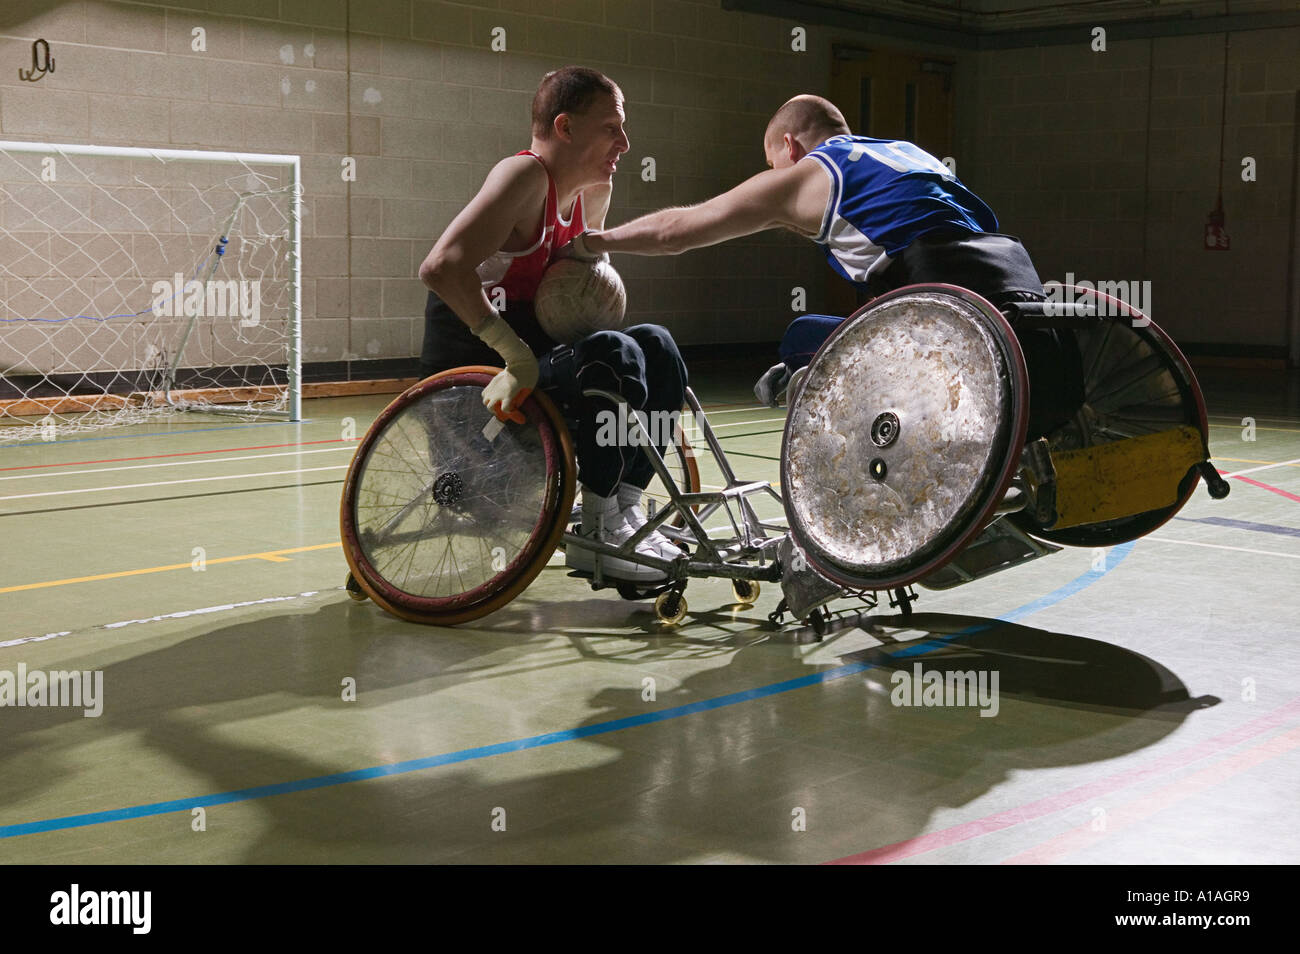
column 445, row 515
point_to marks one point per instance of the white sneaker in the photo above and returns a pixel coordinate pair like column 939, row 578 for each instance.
column 629, row 507
column 603, row 521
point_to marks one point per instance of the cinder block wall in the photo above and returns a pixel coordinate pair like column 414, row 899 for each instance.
column 1055, row 138
column 414, row 93
column 1106, row 164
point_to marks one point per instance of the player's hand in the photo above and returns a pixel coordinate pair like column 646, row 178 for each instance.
column 769, row 387
column 576, row 248
column 511, row 387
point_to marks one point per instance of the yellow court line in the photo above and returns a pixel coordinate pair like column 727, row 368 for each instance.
column 271, row 555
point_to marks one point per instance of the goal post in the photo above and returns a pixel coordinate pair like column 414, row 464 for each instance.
column 138, row 282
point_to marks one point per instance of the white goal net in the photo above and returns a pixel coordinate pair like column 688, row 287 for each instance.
column 141, row 282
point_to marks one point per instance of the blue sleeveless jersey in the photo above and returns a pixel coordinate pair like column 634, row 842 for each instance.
column 885, row 193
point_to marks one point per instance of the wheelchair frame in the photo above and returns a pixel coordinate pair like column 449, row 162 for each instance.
column 756, row 550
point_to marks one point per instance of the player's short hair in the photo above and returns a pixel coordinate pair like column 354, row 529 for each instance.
column 808, row 119
column 571, row 89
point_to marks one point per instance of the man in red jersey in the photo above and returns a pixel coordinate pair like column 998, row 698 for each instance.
column 531, row 204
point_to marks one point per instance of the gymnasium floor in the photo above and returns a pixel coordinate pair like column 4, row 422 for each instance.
column 1149, row 698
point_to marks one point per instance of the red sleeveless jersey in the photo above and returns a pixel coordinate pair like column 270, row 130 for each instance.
column 519, row 273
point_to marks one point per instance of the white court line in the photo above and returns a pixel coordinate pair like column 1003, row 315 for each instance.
column 1271, row 420
column 1220, row 546
column 174, row 463
column 1252, row 470
column 738, row 410
column 172, row 483
column 153, row 619
column 695, row 432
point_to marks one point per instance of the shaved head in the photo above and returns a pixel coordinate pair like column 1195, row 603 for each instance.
column 809, row 120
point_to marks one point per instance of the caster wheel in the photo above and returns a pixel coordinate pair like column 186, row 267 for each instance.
column 670, row 607
column 354, row 589
column 745, row 591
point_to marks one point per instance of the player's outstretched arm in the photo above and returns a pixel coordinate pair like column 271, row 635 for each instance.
column 793, row 198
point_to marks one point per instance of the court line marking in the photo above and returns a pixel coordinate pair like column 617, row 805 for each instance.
column 1282, row 420
column 1220, row 546
column 193, row 453
column 179, row 614
column 176, row 463
column 1050, row 804
column 536, row 741
column 172, row 483
column 1268, row 464
column 191, row 430
column 272, row 556
column 1237, row 427
column 1248, row 525
column 1144, row 806
column 1269, row 487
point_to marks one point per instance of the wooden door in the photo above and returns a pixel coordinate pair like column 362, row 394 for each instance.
column 888, row 94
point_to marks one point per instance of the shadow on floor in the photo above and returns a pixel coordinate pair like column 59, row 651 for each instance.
column 696, row 784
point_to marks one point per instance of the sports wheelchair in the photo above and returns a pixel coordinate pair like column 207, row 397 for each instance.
column 904, row 461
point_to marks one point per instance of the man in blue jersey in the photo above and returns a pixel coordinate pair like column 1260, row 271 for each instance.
column 887, row 214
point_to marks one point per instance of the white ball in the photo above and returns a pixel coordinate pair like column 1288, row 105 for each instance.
column 576, row 299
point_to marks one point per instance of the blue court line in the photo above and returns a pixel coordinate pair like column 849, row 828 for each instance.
column 1114, row 558
column 1244, row 525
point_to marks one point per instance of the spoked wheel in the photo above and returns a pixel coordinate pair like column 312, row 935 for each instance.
column 904, row 436
column 1136, row 382
column 447, row 514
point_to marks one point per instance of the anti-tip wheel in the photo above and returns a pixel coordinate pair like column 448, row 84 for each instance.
column 354, row 589
column 745, row 591
column 670, row 607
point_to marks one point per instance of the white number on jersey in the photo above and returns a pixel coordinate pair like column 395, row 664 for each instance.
column 901, row 157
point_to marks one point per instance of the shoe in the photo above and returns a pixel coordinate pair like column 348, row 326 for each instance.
column 602, row 520
column 769, row 387
column 629, row 507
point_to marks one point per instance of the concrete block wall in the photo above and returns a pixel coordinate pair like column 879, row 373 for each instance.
column 1106, row 164
column 412, row 90
column 1056, row 139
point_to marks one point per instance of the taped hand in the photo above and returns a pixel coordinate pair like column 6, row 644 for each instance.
column 511, row 387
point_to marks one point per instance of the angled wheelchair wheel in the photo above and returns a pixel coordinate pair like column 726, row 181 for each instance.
column 904, row 436
column 447, row 514
column 1136, row 382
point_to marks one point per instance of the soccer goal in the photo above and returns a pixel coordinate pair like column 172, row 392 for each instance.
column 136, row 283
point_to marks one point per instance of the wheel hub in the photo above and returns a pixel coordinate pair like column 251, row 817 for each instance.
column 448, row 488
